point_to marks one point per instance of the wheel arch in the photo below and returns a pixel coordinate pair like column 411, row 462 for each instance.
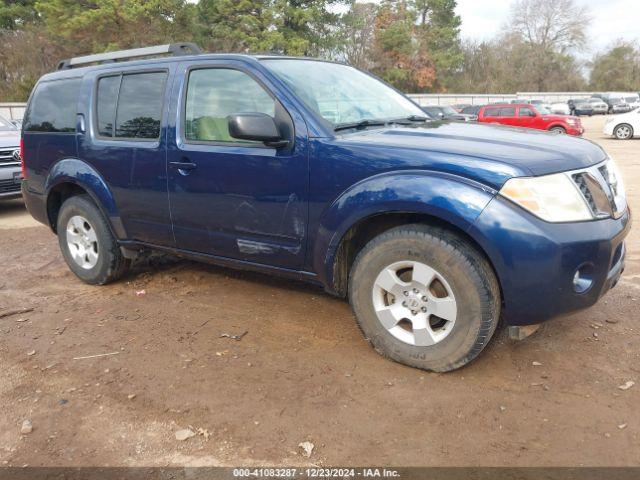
column 443, row 201
column 71, row 177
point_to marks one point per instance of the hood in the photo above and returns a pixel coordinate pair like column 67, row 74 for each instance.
column 487, row 153
column 9, row 138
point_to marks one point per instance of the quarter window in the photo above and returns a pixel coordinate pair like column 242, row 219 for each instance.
column 214, row 94
column 491, row 112
column 130, row 106
column 53, row 107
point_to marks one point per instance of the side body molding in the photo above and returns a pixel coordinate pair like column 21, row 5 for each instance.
column 450, row 198
column 75, row 171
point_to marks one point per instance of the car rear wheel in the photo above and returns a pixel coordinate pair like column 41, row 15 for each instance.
column 424, row 297
column 87, row 244
column 623, row 132
column 558, row 130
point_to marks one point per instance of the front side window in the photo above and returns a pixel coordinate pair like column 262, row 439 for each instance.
column 342, row 94
column 526, row 112
column 53, row 107
column 130, row 106
column 215, row 93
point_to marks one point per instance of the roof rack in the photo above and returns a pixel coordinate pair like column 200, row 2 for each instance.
column 175, row 49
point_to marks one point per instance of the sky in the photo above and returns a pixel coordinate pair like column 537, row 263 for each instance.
column 611, row 20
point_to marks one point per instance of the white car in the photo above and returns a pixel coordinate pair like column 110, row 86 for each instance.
column 560, row 108
column 624, row 126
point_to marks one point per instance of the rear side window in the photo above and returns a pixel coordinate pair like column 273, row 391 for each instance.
column 508, row 112
column 130, row 106
column 53, row 107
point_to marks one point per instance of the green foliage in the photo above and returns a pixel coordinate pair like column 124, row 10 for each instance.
column 15, row 14
column 617, row 69
column 102, row 25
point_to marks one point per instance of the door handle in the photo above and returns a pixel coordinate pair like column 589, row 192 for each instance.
column 186, row 166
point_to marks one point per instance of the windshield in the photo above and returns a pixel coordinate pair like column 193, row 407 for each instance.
column 6, row 125
column 631, row 99
column 542, row 110
column 342, row 94
column 449, row 111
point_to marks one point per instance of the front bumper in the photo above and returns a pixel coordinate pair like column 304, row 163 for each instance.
column 10, row 177
column 536, row 261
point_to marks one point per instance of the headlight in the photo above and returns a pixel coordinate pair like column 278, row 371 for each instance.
column 553, row 198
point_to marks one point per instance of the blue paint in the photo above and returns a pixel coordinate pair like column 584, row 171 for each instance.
column 286, row 210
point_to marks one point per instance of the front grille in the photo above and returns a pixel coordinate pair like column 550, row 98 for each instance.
column 7, row 186
column 7, row 158
column 600, row 189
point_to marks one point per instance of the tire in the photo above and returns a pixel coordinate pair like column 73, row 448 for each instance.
column 624, row 131
column 466, row 326
column 558, row 130
column 87, row 244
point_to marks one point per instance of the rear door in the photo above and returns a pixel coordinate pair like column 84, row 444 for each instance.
column 125, row 141
column 232, row 198
column 508, row 116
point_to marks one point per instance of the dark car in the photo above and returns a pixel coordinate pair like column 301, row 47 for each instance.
column 439, row 112
column 472, row 110
column 317, row 171
column 580, row 106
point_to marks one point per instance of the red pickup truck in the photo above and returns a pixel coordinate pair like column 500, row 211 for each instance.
column 529, row 116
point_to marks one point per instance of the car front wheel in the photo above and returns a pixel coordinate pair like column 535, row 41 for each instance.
column 424, row 297
column 623, row 132
column 87, row 244
column 557, row 130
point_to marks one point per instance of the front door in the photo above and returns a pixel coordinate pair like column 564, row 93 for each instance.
column 235, row 198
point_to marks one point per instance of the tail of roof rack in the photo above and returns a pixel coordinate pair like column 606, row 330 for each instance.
column 173, row 49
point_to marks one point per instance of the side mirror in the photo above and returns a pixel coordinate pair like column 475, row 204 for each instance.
column 258, row 127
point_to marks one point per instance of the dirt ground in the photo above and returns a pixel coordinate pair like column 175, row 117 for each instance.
column 301, row 373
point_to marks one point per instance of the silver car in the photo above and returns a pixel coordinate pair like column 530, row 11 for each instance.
column 599, row 106
column 10, row 173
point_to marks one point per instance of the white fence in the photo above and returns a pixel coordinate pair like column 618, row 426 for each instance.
column 483, row 99
column 12, row 111
column 15, row 111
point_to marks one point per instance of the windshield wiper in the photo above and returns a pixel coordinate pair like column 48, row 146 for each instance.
column 360, row 124
column 410, row 120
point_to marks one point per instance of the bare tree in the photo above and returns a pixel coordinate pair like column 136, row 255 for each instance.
column 549, row 31
column 357, row 35
column 551, row 25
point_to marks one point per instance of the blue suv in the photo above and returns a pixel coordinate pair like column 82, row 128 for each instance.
column 318, row 171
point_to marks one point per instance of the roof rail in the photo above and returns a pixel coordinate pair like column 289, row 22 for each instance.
column 175, row 49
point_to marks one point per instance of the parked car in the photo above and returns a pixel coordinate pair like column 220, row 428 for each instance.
column 622, row 107
column 10, row 172
column 529, row 116
column 560, row 108
column 599, row 107
column 625, row 126
column 458, row 107
column 320, row 172
column 619, row 102
column 540, row 103
column 471, row 110
column 440, row 112
column 580, row 106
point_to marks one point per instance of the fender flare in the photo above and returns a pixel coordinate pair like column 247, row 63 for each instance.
column 80, row 173
column 455, row 200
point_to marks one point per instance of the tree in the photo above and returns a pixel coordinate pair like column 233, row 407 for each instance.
column 103, row 25
column 438, row 32
column 399, row 58
column 357, row 35
column 15, row 14
column 550, row 30
column 618, row 68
